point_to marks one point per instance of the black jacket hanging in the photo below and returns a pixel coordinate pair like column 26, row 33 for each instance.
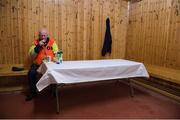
column 107, row 39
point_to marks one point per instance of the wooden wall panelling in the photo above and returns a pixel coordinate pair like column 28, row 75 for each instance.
column 91, row 45
column 73, row 39
column 115, row 12
column 129, row 36
column 112, row 24
column 172, row 39
column 86, row 24
column 167, row 24
column 75, row 32
column 147, row 31
column 91, row 28
column 161, row 31
column 105, row 9
column 138, row 26
column 144, row 21
column 25, row 17
column 171, row 54
column 56, row 18
column 101, row 26
column 157, row 36
column 158, row 31
column 7, row 38
column 8, row 45
column 14, row 30
column 64, row 28
column 69, row 12
column 176, row 35
column 162, row 35
column 164, row 19
column 41, row 15
column 15, row 38
column 80, row 29
column 46, row 15
column 123, row 20
column 133, row 35
column 7, row 31
column 52, row 12
column 95, row 51
column 59, row 23
column 153, row 33
column 161, row 45
column 134, row 29
column 139, row 36
column 1, row 29
column 117, row 32
column 137, row 30
column 26, row 26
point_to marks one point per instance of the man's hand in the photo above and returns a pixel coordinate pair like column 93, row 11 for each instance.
column 42, row 42
column 39, row 46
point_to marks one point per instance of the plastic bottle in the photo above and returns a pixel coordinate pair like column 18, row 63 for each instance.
column 59, row 57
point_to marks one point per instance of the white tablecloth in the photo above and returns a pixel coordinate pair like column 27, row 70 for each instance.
column 88, row 70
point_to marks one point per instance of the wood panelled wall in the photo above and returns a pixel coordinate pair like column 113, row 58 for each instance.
column 153, row 35
column 78, row 26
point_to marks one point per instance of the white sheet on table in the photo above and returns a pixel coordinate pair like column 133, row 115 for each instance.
column 88, row 70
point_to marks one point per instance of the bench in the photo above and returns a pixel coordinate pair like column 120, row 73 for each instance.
column 165, row 81
column 5, row 70
column 11, row 81
column 168, row 74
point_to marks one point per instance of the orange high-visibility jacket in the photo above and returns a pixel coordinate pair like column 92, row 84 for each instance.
column 44, row 52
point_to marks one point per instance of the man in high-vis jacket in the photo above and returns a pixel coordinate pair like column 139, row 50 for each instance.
column 42, row 48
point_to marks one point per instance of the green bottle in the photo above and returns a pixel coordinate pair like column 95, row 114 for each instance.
column 59, row 57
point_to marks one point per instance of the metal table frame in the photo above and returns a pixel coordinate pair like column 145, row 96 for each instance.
column 56, row 88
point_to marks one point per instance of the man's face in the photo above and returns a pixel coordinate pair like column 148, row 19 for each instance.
column 43, row 35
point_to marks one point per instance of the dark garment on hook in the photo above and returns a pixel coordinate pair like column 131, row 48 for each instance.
column 107, row 39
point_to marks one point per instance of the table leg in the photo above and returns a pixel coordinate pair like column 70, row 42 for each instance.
column 131, row 87
column 57, row 99
column 53, row 90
